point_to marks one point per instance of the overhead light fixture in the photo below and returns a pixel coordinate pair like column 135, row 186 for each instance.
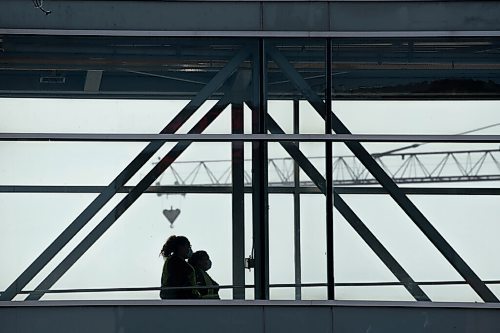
column 53, row 79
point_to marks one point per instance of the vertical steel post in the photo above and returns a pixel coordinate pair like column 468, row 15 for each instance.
column 329, row 174
column 296, row 207
column 238, row 201
column 259, row 178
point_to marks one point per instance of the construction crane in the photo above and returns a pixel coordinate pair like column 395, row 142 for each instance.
column 421, row 167
column 402, row 165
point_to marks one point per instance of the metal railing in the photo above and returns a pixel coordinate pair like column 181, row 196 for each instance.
column 251, row 286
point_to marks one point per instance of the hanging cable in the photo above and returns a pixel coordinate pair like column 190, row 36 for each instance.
column 39, row 4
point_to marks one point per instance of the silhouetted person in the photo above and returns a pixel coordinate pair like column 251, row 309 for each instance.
column 176, row 271
column 202, row 263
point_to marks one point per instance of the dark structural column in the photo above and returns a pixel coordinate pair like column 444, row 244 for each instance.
column 296, row 207
column 259, row 177
column 238, row 198
column 329, row 175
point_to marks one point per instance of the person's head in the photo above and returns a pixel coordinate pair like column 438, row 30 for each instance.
column 177, row 245
column 201, row 260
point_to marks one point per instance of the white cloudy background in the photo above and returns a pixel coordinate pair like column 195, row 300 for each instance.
column 127, row 255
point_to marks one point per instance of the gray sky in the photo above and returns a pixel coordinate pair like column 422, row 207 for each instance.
column 127, row 255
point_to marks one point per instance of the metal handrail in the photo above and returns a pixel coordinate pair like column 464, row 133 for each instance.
column 275, row 285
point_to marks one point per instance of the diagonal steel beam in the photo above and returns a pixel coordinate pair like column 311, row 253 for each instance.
column 48, row 254
column 385, row 180
column 350, row 216
column 126, row 202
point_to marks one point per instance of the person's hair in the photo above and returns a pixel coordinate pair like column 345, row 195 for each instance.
column 197, row 257
column 172, row 244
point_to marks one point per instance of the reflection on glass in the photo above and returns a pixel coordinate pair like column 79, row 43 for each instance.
column 124, row 67
column 306, row 57
column 415, row 68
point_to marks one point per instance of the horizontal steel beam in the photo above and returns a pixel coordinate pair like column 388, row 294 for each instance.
column 248, row 316
column 248, row 303
column 253, row 33
column 250, row 18
column 249, row 137
column 200, row 189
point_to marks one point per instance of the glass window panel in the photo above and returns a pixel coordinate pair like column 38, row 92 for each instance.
column 142, row 224
column 280, row 166
column 282, row 113
column 37, row 115
column 110, row 263
column 282, row 293
column 30, row 221
column 453, row 293
column 90, row 225
column 247, row 119
column 313, row 238
column 378, row 293
column 374, row 80
column 451, row 215
column 315, row 153
column 419, row 117
column 281, row 243
column 401, row 237
column 64, row 163
column 469, row 224
column 314, row 293
column 495, row 288
column 354, row 260
column 116, row 295
column 310, row 120
column 201, row 164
